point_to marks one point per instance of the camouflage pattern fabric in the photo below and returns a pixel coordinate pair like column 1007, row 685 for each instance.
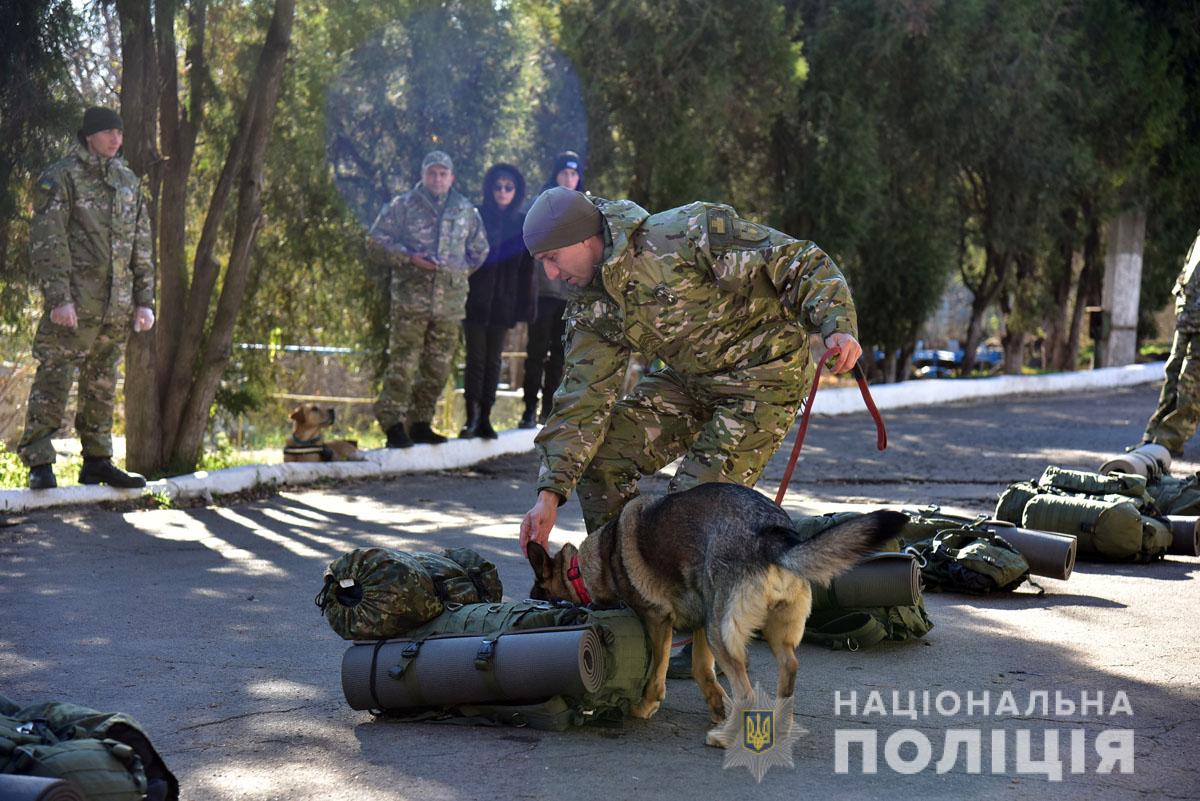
column 426, row 306
column 1187, row 292
column 728, row 306
column 90, row 245
column 1174, row 421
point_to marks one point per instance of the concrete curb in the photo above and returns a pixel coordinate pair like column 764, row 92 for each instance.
column 379, row 463
column 459, row 453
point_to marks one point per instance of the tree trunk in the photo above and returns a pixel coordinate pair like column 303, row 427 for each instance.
column 1091, row 284
column 253, row 138
column 1055, row 349
column 983, row 295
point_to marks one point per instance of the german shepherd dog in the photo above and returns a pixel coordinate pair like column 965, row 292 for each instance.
column 719, row 560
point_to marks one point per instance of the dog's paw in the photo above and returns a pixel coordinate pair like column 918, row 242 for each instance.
column 645, row 709
column 715, row 738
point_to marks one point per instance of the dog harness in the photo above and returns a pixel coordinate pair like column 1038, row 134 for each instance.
column 303, row 447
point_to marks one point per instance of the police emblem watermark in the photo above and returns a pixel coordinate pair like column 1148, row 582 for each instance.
column 989, row 742
column 758, row 734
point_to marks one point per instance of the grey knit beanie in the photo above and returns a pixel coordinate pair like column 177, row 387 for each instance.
column 558, row 218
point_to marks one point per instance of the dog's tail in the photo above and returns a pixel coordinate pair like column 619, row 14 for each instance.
column 837, row 549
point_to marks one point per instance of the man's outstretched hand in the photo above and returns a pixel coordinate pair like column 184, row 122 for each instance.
column 539, row 520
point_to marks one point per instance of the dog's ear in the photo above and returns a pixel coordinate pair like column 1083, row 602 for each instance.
column 540, row 561
column 297, row 414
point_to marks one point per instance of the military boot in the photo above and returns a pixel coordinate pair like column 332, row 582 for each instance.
column 529, row 418
column 422, row 432
column 471, row 429
column 42, row 477
column 485, row 429
column 397, row 437
column 103, row 471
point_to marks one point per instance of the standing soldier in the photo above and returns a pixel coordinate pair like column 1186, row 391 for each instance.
column 91, row 252
column 1174, row 421
column 433, row 239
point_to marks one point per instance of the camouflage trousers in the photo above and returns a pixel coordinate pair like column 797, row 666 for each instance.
column 93, row 349
column 420, row 350
column 1174, row 421
column 725, row 430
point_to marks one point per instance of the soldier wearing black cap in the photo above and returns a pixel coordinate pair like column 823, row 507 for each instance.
column 726, row 304
column 91, row 252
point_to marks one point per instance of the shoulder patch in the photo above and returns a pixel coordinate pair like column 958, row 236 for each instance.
column 43, row 193
column 726, row 229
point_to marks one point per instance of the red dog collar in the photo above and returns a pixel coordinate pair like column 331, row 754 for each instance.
column 576, row 578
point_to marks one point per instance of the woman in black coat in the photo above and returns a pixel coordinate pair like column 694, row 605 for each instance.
column 502, row 294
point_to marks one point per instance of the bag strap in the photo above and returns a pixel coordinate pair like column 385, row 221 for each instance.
column 852, row 632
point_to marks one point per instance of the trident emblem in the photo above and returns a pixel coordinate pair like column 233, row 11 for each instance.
column 759, row 729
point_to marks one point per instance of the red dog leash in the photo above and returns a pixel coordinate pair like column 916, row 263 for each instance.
column 881, row 432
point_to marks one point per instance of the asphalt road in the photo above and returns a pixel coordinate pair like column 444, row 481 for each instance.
column 200, row 622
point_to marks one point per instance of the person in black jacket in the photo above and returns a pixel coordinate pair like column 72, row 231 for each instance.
column 544, row 352
column 502, row 294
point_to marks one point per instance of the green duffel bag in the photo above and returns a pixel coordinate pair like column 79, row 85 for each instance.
column 1175, row 496
column 379, row 593
column 106, row 756
column 1107, row 527
column 1081, row 482
column 1012, row 501
column 369, row 670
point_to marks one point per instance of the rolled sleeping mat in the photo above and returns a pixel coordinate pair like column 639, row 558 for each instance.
column 881, row 579
column 1149, row 460
column 450, row 671
column 1185, row 535
column 37, row 788
column 1048, row 554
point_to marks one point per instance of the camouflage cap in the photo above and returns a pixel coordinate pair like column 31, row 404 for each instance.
column 558, row 218
column 437, row 157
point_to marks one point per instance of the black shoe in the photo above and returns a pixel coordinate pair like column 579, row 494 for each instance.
column 485, row 429
column 529, row 419
column 42, row 477
column 547, row 407
column 680, row 665
column 471, row 429
column 397, row 437
column 103, row 471
column 421, row 432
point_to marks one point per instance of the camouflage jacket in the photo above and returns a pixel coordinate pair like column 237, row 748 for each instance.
column 708, row 293
column 451, row 232
column 90, row 236
column 1187, row 292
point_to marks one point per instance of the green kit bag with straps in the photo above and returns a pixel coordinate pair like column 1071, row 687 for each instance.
column 377, row 593
column 463, row 651
column 1109, row 527
column 854, row 629
column 1175, row 496
column 968, row 559
column 106, row 756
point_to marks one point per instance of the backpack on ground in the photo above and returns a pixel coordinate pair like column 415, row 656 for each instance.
column 377, row 593
column 106, row 756
column 853, row 629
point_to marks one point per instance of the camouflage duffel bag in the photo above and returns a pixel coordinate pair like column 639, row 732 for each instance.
column 377, row 593
column 505, row 663
column 1108, row 527
column 107, row 757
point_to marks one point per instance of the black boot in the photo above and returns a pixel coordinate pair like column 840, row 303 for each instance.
column 42, row 477
column 471, row 429
column 397, row 437
column 529, row 419
column 485, row 429
column 103, row 471
column 421, row 432
column 547, row 407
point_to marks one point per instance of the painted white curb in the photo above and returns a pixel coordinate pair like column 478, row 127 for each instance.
column 379, row 463
column 935, row 391
column 458, row 453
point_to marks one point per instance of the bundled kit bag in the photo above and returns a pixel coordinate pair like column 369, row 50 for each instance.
column 1114, row 516
column 528, row 663
column 377, row 593
column 103, row 756
column 1046, row 553
column 876, row 601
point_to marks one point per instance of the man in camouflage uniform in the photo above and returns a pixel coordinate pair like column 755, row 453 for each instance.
column 726, row 304
column 91, row 252
column 1174, row 421
column 432, row 238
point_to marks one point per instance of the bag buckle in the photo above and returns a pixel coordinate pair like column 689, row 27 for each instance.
column 485, row 655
